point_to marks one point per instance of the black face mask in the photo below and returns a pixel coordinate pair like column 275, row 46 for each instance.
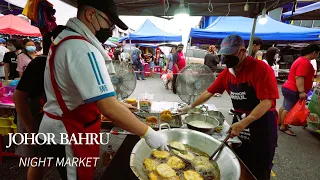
column 102, row 34
column 231, row 61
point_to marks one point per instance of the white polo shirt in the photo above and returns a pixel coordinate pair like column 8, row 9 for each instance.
column 82, row 77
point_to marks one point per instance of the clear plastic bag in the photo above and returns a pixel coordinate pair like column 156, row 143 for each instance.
column 145, row 101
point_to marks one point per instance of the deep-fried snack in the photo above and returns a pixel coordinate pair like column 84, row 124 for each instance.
column 166, row 115
column 150, row 164
column 192, row 175
column 160, row 154
column 165, row 171
column 151, row 120
column 177, row 145
column 176, row 163
column 153, row 176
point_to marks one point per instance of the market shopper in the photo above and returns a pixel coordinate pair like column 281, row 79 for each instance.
column 299, row 83
column 29, row 98
column 3, row 51
column 212, row 59
column 245, row 79
column 256, row 46
column 136, row 58
column 169, row 66
column 10, row 59
column 117, row 53
column 78, row 87
column 151, row 63
column 27, row 55
column 272, row 58
column 178, row 64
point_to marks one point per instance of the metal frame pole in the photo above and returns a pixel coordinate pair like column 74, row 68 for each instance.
column 252, row 35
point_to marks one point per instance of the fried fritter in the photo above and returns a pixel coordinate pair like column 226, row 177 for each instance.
column 192, row 175
column 153, row 176
column 166, row 115
column 165, row 171
column 160, row 154
column 176, row 163
column 151, row 120
column 177, row 145
column 150, row 164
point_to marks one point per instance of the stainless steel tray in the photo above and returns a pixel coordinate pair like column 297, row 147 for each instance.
column 218, row 115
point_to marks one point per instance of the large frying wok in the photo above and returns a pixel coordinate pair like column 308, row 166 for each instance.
column 227, row 160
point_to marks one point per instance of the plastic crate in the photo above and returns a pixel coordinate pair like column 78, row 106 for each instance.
column 4, row 130
column 6, row 121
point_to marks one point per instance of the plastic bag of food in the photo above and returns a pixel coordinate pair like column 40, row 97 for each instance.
column 145, row 101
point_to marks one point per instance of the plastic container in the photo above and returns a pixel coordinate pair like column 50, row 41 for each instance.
column 5, row 122
column 4, row 130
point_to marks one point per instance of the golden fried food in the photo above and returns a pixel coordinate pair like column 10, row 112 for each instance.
column 177, row 145
column 165, row 171
column 151, row 120
column 176, row 163
column 153, row 176
column 188, row 156
column 166, row 115
column 150, row 164
column 173, row 178
column 192, row 175
column 203, row 164
column 160, row 154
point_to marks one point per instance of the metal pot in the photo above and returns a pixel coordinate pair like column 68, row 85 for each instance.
column 227, row 160
column 200, row 117
column 218, row 115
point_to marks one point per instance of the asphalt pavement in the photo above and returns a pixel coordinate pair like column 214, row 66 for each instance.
column 296, row 157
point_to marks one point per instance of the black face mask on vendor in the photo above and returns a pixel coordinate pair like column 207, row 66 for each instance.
column 231, row 61
column 103, row 34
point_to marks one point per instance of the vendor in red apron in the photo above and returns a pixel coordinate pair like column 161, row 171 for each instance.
column 78, row 90
column 253, row 89
column 178, row 64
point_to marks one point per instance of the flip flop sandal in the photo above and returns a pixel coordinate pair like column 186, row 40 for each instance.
column 280, row 125
column 285, row 131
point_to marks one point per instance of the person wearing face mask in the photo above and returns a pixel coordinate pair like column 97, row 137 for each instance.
column 299, row 83
column 27, row 55
column 79, row 89
column 272, row 58
column 178, row 64
column 211, row 59
column 253, row 91
column 3, row 51
column 29, row 98
column 10, row 59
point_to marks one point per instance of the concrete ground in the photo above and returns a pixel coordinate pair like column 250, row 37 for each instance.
column 296, row 157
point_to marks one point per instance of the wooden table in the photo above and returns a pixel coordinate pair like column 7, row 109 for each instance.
column 119, row 167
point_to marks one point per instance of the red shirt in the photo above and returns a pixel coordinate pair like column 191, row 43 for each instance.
column 300, row 67
column 256, row 73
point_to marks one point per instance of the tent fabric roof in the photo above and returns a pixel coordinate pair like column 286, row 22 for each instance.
column 14, row 25
column 310, row 12
column 271, row 31
column 149, row 45
column 148, row 32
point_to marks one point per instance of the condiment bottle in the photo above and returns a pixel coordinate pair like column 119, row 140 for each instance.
column 108, row 155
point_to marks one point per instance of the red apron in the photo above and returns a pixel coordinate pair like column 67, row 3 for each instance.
column 83, row 119
column 181, row 62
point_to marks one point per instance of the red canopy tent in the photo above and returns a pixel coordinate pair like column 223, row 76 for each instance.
column 14, row 25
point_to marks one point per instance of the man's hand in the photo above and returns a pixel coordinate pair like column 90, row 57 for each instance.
column 155, row 140
column 237, row 128
column 303, row 95
column 185, row 109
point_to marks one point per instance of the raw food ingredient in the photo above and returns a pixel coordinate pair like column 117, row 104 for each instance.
column 151, row 120
column 176, row 163
column 153, row 176
column 150, row 164
column 160, row 154
column 165, row 171
column 177, row 145
column 201, row 124
column 192, row 175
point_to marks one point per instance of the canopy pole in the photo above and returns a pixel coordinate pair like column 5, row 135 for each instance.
column 252, row 35
column 188, row 47
column 130, row 50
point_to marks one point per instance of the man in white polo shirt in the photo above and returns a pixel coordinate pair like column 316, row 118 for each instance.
column 78, row 88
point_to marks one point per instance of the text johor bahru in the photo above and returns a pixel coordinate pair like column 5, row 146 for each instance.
column 65, row 139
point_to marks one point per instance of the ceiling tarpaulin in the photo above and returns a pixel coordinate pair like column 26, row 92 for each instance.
column 273, row 30
column 14, row 25
column 7, row 8
column 148, row 32
column 310, row 12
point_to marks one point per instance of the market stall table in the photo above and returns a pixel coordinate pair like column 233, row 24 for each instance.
column 119, row 167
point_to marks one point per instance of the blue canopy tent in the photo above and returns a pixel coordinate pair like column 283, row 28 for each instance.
column 273, row 31
column 149, row 45
column 310, row 12
column 149, row 33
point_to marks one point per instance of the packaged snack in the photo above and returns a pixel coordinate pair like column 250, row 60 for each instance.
column 132, row 101
column 145, row 101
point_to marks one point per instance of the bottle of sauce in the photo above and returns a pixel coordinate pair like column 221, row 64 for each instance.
column 108, row 155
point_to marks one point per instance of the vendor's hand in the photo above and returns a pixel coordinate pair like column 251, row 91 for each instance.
column 236, row 129
column 155, row 140
column 303, row 95
column 185, row 109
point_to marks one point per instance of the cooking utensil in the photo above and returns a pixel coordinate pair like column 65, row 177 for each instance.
column 218, row 115
column 220, row 147
column 200, row 117
column 227, row 161
column 180, row 150
column 139, row 115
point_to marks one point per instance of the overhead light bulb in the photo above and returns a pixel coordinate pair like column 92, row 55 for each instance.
column 246, row 7
column 182, row 13
column 263, row 19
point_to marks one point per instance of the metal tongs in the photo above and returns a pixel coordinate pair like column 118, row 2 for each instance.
column 220, row 147
column 184, row 152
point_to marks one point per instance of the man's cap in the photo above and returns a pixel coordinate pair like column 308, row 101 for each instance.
column 2, row 40
column 108, row 8
column 231, row 44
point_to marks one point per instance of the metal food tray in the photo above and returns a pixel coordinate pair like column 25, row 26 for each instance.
column 218, row 115
column 176, row 121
